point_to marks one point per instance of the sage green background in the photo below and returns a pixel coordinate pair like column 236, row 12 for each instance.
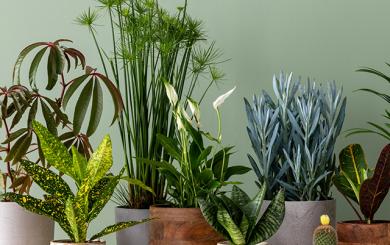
column 326, row 40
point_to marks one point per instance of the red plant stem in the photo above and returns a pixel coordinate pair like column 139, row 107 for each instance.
column 64, row 85
column 8, row 149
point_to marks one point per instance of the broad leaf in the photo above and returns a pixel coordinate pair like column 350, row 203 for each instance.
column 374, row 190
column 117, row 227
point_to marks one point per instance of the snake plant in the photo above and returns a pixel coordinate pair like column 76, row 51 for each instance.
column 293, row 137
column 95, row 186
column 237, row 218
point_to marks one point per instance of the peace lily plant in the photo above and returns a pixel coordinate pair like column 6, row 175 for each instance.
column 94, row 186
column 200, row 170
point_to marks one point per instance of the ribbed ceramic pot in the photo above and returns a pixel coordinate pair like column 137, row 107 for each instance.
column 21, row 227
column 136, row 235
column 357, row 233
column 181, row 226
column 67, row 242
column 300, row 221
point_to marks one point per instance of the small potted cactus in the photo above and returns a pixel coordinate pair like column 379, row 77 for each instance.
column 325, row 234
column 72, row 211
column 364, row 189
column 236, row 218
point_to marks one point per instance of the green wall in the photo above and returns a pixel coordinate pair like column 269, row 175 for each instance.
column 326, row 40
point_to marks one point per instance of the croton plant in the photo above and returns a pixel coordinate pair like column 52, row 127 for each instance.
column 95, row 186
column 359, row 185
column 29, row 99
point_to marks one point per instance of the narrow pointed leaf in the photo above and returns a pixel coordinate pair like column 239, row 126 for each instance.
column 82, row 107
column 96, row 109
column 118, row 227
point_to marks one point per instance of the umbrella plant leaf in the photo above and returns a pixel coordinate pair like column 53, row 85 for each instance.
column 82, row 106
column 96, row 109
column 74, row 85
column 34, row 66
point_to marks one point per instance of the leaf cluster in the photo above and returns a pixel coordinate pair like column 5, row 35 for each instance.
column 358, row 184
column 237, row 217
column 293, row 137
column 95, row 186
column 22, row 104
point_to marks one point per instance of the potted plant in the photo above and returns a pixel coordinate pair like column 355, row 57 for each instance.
column 293, row 139
column 197, row 172
column 237, row 218
column 22, row 103
column 360, row 186
column 149, row 46
column 95, row 186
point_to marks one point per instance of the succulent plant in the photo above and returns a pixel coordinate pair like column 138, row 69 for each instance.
column 237, row 218
column 95, row 186
column 325, row 234
column 358, row 185
column 293, row 137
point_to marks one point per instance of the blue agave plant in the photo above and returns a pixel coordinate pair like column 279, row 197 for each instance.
column 293, row 137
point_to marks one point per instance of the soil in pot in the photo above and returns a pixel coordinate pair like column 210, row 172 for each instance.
column 181, row 226
column 359, row 233
column 68, row 242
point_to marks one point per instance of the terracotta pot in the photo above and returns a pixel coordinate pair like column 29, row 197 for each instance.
column 181, row 226
column 300, row 221
column 227, row 243
column 68, row 242
column 358, row 233
column 21, row 227
column 136, row 235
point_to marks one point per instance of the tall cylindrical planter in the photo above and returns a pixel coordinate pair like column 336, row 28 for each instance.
column 21, row 227
column 357, row 233
column 67, row 242
column 300, row 221
column 137, row 235
column 181, row 226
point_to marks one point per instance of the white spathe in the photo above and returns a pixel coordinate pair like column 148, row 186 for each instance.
column 221, row 99
column 171, row 93
column 21, row 227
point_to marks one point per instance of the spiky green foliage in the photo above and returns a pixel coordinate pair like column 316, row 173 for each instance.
column 293, row 137
column 149, row 46
column 95, row 186
column 237, row 218
column 325, row 234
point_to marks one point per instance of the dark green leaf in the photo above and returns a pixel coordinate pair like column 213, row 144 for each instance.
column 96, row 110
column 49, row 119
column 82, row 106
column 74, row 84
column 35, row 64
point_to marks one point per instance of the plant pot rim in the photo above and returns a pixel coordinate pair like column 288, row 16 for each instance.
column 170, row 207
column 319, row 201
column 70, row 242
column 127, row 207
column 359, row 222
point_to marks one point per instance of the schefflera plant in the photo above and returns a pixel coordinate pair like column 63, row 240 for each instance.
column 237, row 218
column 356, row 182
column 95, row 186
column 293, row 137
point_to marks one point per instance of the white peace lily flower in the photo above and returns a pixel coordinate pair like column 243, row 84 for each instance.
column 185, row 115
column 221, row 99
column 171, row 93
column 194, row 107
column 180, row 125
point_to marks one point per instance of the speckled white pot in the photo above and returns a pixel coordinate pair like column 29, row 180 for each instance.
column 21, row 227
column 136, row 235
column 67, row 242
column 300, row 221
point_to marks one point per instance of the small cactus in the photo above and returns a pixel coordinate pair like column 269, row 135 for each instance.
column 325, row 234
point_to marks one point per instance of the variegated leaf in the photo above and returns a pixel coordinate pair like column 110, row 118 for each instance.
column 117, row 227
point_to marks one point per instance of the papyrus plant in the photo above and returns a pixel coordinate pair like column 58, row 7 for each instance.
column 359, row 185
column 293, row 137
column 95, row 186
column 150, row 46
column 237, row 218
column 30, row 98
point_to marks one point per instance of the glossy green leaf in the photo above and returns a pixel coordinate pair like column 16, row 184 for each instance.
column 252, row 209
column 71, row 216
column 234, row 231
column 54, row 151
column 79, row 165
column 170, row 145
column 236, row 170
column 117, row 227
column 74, row 85
column 96, row 109
column 48, row 180
column 22, row 148
column 34, row 66
column 52, row 76
column 82, row 106
column 49, row 118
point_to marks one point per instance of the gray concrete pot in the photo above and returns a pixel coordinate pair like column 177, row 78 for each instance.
column 137, row 235
column 21, row 227
column 68, row 242
column 300, row 221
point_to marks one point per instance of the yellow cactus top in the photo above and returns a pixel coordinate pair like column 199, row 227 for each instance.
column 325, row 220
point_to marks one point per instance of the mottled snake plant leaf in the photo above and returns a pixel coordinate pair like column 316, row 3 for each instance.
column 374, row 190
column 270, row 221
column 224, row 218
column 55, row 152
column 209, row 209
column 352, row 171
column 48, row 180
column 117, row 227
